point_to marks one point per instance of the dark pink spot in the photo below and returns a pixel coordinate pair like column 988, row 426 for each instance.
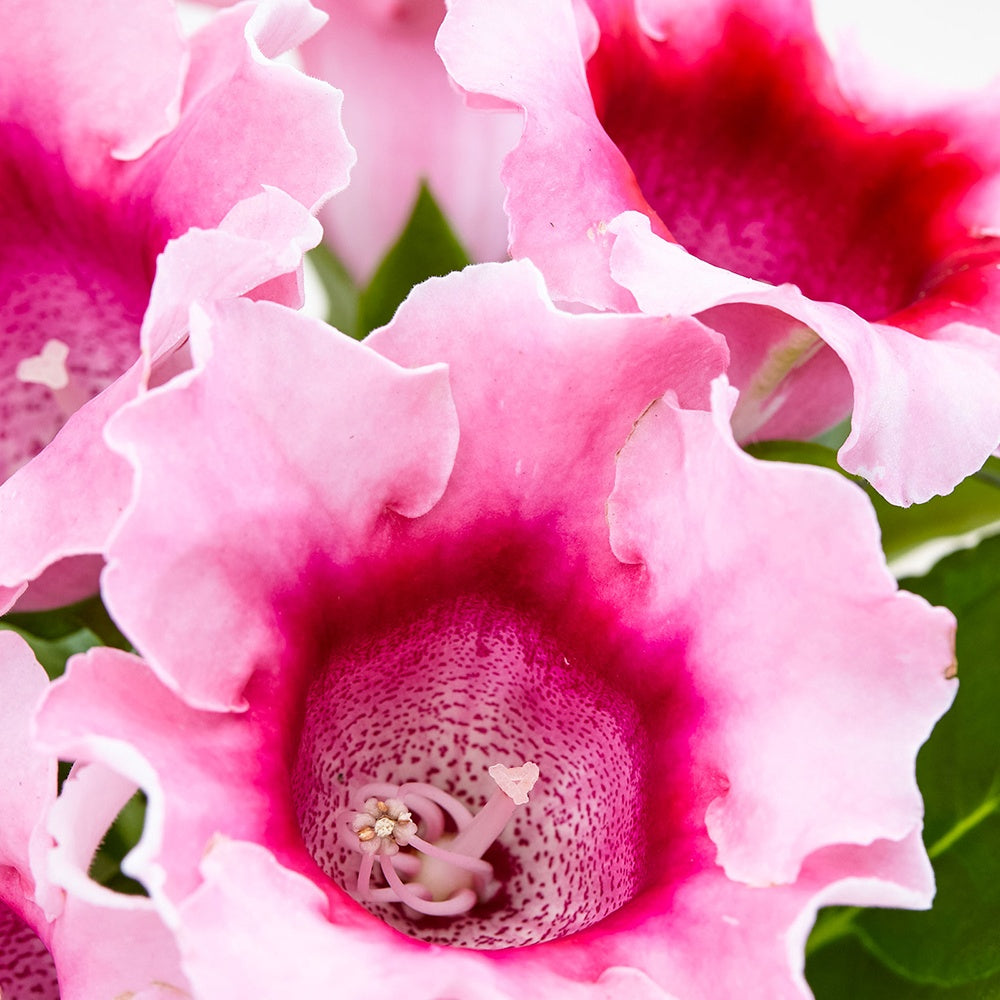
column 27, row 971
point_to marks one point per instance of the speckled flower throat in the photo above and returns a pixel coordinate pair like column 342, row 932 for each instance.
column 26, row 967
column 74, row 284
column 470, row 781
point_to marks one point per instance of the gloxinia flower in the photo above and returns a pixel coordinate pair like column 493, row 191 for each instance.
column 55, row 946
column 539, row 670
column 706, row 160
column 138, row 171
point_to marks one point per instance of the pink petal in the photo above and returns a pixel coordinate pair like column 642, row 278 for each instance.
column 85, row 91
column 778, row 702
column 541, row 441
column 558, row 213
column 27, row 776
column 407, row 124
column 107, row 705
column 904, row 386
column 226, row 151
column 404, row 472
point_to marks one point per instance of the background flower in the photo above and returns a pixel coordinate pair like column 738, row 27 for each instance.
column 861, row 237
column 109, row 151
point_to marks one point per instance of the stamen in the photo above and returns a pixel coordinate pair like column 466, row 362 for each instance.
column 48, row 368
column 452, row 876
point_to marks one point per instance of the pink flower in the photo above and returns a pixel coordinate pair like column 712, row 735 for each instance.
column 408, row 124
column 647, row 702
column 56, row 945
column 709, row 162
column 138, row 170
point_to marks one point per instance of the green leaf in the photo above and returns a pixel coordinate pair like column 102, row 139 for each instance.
column 426, row 247
column 972, row 504
column 956, row 942
column 341, row 291
column 52, row 654
column 54, row 636
column 846, row 969
column 122, row 836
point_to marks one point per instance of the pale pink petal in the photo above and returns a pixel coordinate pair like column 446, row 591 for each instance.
column 226, row 150
column 27, row 776
column 778, row 701
column 258, row 354
column 407, row 124
column 52, row 946
column 722, row 932
column 259, row 239
column 87, row 92
column 65, row 501
column 560, row 419
column 111, row 710
column 908, row 438
column 116, row 953
column 527, row 53
column 105, row 943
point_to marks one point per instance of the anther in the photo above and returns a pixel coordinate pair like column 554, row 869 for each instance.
column 451, row 876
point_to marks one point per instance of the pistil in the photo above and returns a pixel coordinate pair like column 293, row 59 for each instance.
column 49, row 368
column 448, row 876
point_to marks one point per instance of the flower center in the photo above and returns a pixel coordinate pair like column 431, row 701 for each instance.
column 750, row 159
column 401, row 800
column 452, row 877
column 26, row 967
column 74, row 284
